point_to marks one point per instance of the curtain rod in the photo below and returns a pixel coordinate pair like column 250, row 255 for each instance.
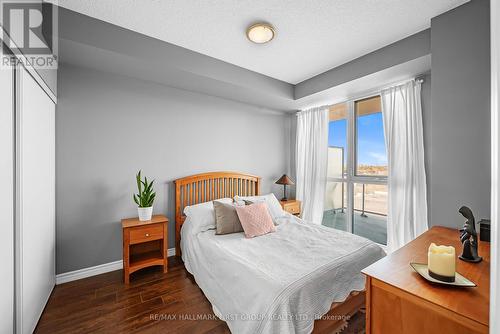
column 420, row 78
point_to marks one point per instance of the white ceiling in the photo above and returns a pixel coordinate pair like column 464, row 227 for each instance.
column 312, row 36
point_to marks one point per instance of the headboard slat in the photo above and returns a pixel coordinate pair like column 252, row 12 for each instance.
column 206, row 187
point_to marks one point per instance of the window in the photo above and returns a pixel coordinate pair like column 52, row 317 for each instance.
column 371, row 156
column 337, row 140
column 356, row 192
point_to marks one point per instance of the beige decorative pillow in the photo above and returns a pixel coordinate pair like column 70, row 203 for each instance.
column 226, row 219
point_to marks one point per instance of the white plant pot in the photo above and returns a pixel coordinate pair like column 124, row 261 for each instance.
column 145, row 213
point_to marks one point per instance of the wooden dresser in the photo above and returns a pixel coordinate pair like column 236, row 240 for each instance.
column 144, row 244
column 398, row 300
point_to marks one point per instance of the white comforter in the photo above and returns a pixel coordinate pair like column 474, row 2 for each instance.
column 279, row 282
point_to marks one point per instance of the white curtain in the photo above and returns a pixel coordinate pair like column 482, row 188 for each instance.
column 312, row 160
column 407, row 206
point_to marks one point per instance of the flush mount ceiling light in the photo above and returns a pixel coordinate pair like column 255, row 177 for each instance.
column 260, row 33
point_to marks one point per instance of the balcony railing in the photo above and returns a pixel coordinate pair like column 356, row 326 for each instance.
column 363, row 211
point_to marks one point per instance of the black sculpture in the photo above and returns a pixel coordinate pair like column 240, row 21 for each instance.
column 468, row 237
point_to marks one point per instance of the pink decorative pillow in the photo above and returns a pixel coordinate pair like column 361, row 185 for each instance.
column 255, row 219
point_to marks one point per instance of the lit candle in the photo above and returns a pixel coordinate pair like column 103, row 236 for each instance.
column 441, row 262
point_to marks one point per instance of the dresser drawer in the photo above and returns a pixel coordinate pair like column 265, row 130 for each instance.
column 146, row 233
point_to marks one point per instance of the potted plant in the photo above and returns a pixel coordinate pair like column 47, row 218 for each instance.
column 145, row 198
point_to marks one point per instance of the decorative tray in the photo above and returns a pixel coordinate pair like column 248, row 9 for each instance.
column 460, row 281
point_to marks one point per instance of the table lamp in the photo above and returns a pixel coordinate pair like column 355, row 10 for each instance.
column 285, row 181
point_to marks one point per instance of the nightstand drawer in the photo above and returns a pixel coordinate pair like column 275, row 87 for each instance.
column 291, row 206
column 293, row 209
column 146, row 233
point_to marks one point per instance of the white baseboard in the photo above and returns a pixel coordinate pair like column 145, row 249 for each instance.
column 96, row 270
column 170, row 252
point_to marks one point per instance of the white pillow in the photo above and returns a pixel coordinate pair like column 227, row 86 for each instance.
column 202, row 216
column 274, row 205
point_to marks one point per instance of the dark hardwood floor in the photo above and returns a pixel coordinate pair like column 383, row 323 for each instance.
column 153, row 303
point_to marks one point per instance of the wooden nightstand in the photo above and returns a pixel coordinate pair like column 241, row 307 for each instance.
column 144, row 244
column 292, row 206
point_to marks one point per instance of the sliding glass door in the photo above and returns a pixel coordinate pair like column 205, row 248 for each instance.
column 356, row 192
column 35, row 199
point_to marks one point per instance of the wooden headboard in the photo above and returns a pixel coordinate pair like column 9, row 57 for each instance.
column 206, row 187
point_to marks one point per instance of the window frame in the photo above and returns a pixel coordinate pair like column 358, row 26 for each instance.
column 350, row 178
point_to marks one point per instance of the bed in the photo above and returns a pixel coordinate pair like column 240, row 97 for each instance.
column 302, row 278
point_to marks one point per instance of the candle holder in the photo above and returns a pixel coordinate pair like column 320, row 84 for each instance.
column 460, row 281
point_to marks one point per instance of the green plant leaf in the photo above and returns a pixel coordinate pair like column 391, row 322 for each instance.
column 151, row 199
column 138, row 178
column 147, row 187
column 146, row 195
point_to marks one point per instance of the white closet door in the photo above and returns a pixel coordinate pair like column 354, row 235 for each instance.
column 35, row 218
column 7, row 200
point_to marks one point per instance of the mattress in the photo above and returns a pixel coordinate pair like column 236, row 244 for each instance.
column 280, row 282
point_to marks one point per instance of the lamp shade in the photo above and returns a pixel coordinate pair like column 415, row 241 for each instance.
column 285, row 180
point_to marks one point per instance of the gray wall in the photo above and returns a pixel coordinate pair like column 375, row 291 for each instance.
column 402, row 51
column 460, row 126
column 109, row 126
